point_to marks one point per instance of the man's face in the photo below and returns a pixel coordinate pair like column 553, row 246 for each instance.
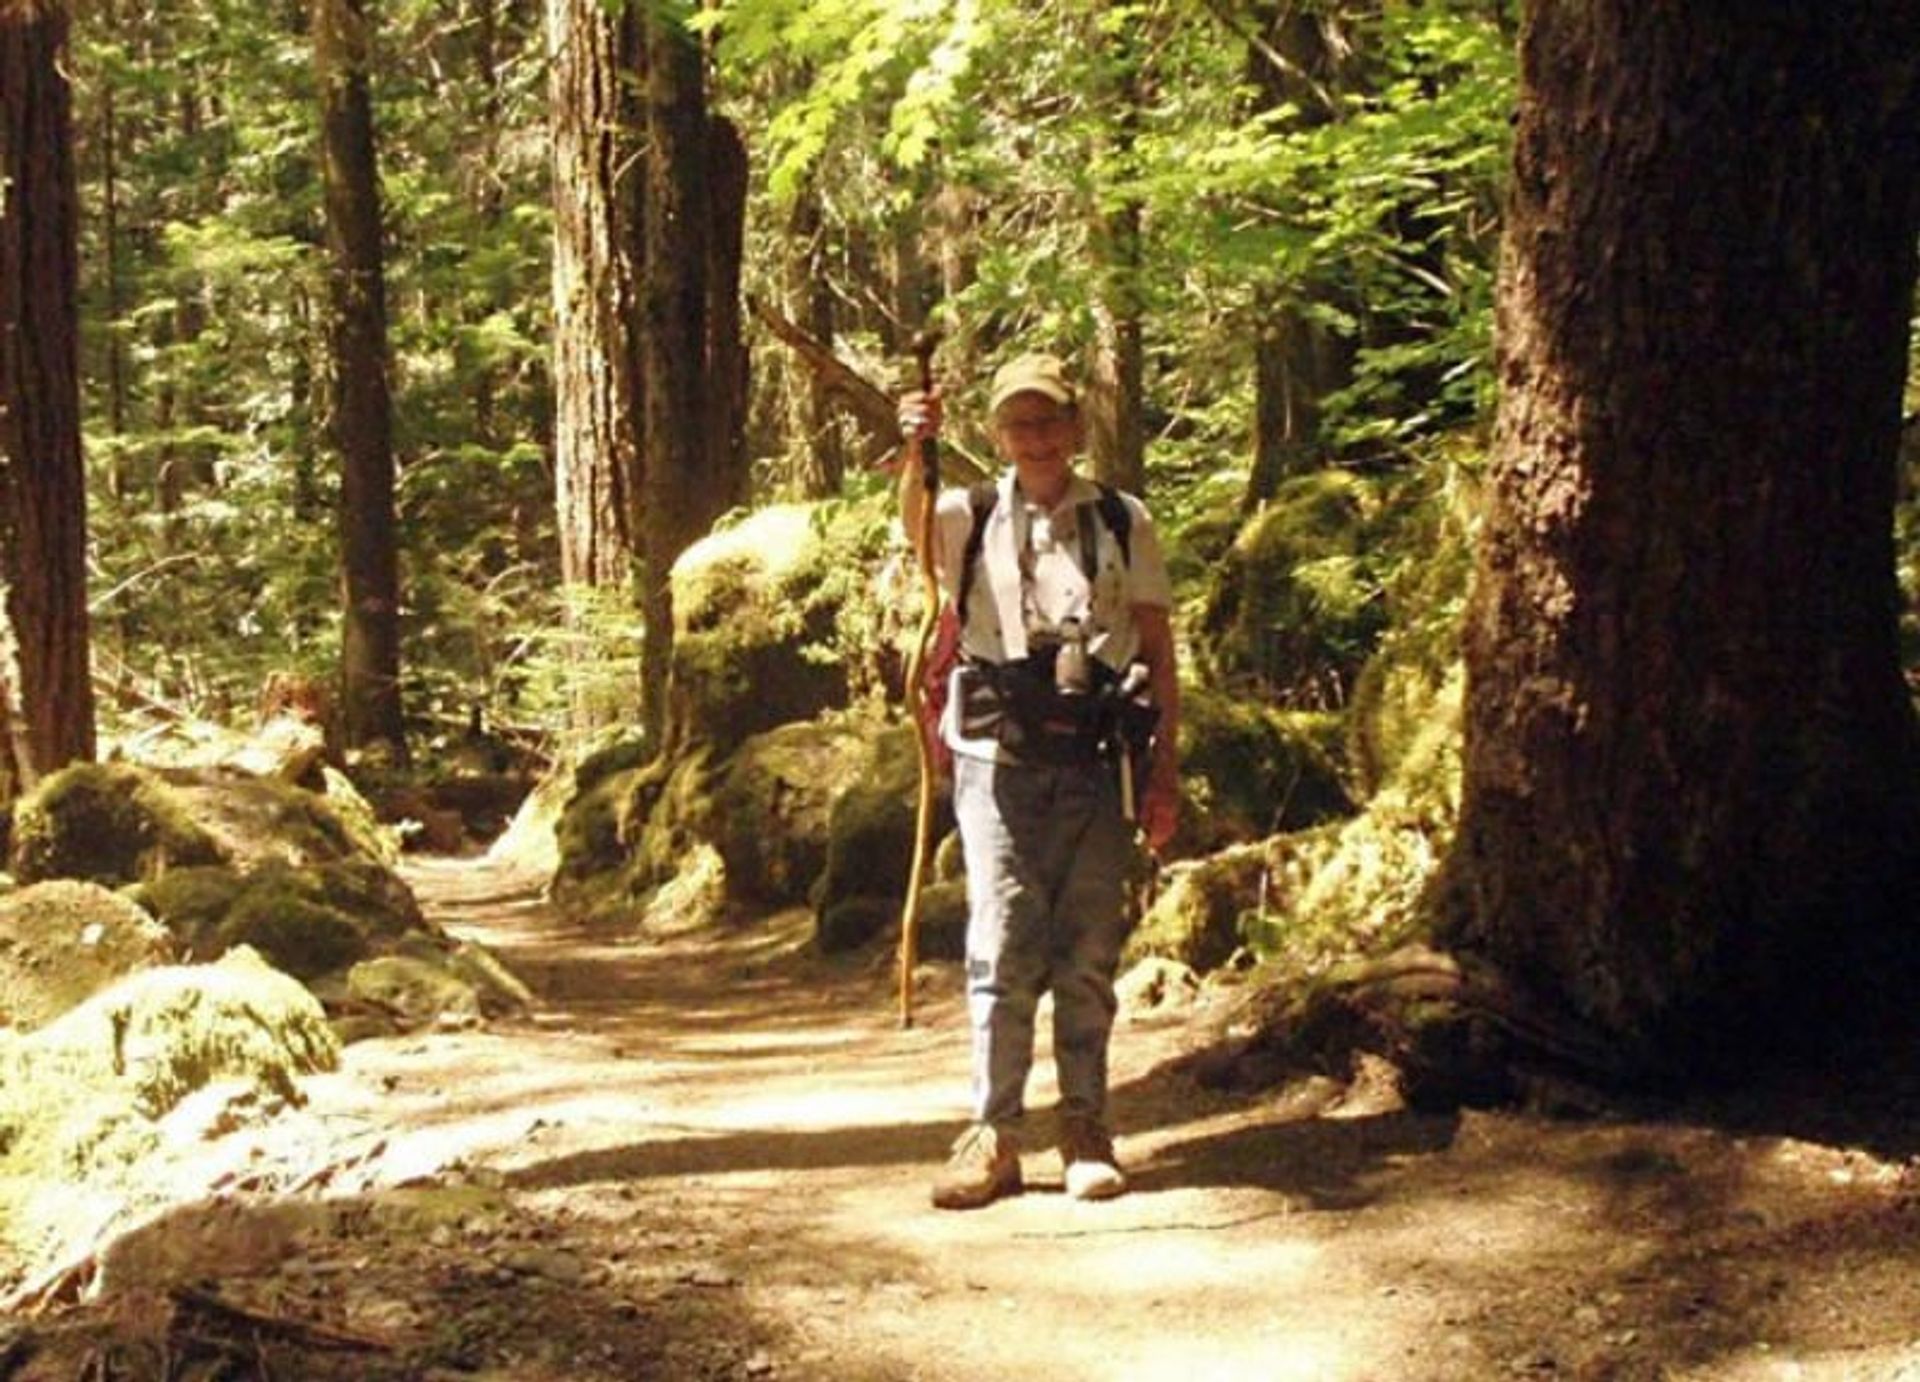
column 1037, row 435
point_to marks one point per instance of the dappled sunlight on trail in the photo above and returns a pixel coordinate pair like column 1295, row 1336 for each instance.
column 740, row 1133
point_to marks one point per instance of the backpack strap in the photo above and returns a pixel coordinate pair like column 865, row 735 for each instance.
column 1119, row 520
column 980, row 499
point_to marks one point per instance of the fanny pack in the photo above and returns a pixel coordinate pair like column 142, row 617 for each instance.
column 1019, row 706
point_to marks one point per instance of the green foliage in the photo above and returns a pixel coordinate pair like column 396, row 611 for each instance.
column 204, row 325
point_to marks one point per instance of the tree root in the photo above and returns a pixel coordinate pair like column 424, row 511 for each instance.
column 1457, row 1030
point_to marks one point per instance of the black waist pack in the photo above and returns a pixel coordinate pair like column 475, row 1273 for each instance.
column 1019, row 707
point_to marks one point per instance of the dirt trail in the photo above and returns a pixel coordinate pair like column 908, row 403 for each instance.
column 708, row 1156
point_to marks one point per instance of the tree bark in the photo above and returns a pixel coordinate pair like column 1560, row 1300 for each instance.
column 362, row 407
column 676, row 493
column 1690, row 808
column 729, row 483
column 594, row 128
column 43, row 508
column 594, row 123
column 810, row 302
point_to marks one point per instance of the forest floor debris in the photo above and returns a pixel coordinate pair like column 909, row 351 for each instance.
column 707, row 1157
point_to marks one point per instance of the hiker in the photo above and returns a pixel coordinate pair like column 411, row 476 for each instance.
column 1066, row 618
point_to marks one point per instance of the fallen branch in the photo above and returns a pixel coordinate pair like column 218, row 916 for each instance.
column 871, row 406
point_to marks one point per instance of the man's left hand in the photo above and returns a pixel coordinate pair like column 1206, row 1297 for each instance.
column 1160, row 813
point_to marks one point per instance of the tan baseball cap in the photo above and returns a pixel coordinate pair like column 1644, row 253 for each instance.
column 1041, row 374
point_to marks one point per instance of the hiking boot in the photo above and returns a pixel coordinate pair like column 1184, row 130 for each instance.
column 1086, row 1153
column 984, row 1166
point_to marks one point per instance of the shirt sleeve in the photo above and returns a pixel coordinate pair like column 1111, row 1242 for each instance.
column 1147, row 580
column 952, row 521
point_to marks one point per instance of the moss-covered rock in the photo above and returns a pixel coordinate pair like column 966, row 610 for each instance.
column 426, row 980
column 82, row 1100
column 63, row 941
column 773, row 805
column 306, row 939
column 308, row 921
column 108, row 823
column 753, row 629
column 1248, row 771
column 136, row 1049
column 192, row 904
column 695, row 897
column 1198, row 917
column 1296, row 608
column 870, row 837
column 258, row 820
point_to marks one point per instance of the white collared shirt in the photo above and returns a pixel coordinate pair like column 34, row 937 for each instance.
column 1003, row 600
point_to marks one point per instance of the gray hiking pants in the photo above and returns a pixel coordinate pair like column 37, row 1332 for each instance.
column 1047, row 857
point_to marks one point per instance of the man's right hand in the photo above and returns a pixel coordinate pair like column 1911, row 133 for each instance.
column 920, row 415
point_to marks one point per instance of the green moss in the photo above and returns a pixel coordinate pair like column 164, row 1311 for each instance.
column 848, row 923
column 1249, row 770
column 417, row 988
column 63, row 941
column 135, row 1050
column 588, row 833
column 1196, row 919
column 259, row 819
column 695, row 897
column 192, row 903
column 109, row 823
column 772, row 808
column 870, row 828
column 1297, row 605
column 304, row 938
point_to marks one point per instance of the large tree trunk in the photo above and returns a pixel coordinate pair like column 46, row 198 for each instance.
column 728, row 483
column 594, row 124
column 1690, row 797
column 675, row 494
column 43, row 510
column 362, row 408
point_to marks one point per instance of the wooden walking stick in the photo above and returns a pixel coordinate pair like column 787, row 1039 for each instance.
column 929, row 462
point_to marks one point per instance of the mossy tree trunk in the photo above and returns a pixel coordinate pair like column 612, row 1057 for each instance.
column 362, row 405
column 594, row 120
column 1691, row 770
column 43, row 509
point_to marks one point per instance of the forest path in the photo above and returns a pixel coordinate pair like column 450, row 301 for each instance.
column 707, row 1156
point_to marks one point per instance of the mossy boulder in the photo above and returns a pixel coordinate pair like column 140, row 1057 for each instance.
column 1296, row 607
column 774, row 802
column 62, row 941
column 306, row 939
column 754, row 626
column 84, row 1098
column 108, row 823
column 257, row 820
column 139, row 1047
column 1249, row 771
column 870, row 840
column 308, row 921
column 1198, row 917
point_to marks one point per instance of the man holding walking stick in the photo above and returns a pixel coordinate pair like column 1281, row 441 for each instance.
column 1061, row 718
